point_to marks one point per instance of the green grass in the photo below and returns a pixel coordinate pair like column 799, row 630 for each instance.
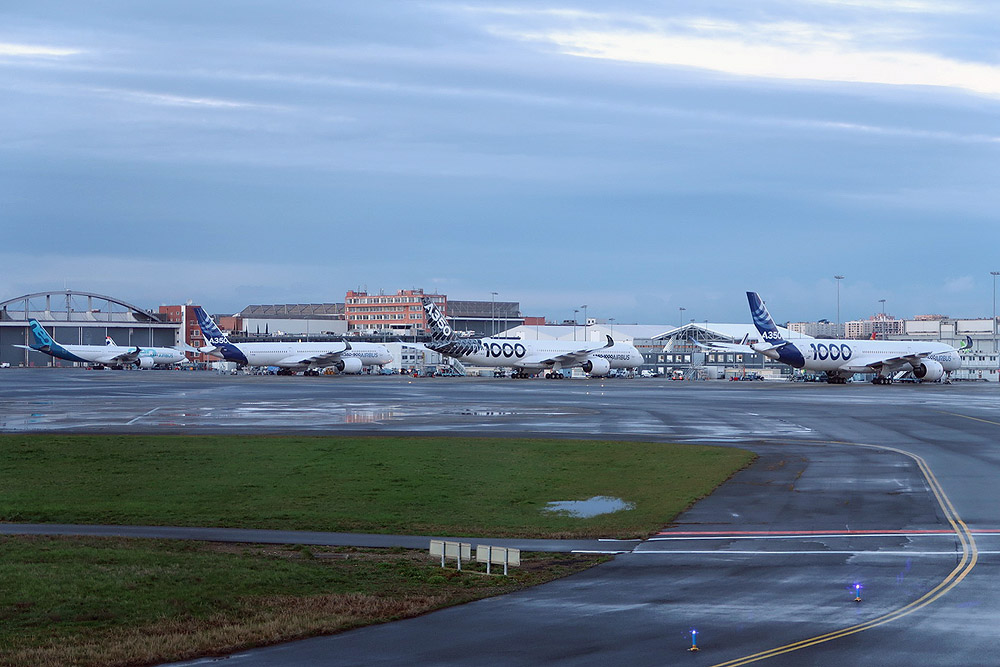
column 93, row 601
column 416, row 485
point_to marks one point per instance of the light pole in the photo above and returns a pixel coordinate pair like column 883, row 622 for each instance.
column 838, row 279
column 585, row 322
column 575, row 312
column 885, row 327
column 681, row 319
column 995, row 274
column 612, row 321
column 493, row 312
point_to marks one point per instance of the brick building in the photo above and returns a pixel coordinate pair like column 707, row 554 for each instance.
column 401, row 312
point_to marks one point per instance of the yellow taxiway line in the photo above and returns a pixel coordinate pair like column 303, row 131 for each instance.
column 970, row 555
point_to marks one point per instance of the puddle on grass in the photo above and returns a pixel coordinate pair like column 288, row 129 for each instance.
column 587, row 508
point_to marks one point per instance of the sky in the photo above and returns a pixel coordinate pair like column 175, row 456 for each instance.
column 638, row 157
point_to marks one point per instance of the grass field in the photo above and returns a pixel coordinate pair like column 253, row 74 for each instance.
column 90, row 601
column 93, row 601
column 426, row 485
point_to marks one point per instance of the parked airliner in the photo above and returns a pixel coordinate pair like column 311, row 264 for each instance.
column 308, row 357
column 840, row 359
column 108, row 354
column 550, row 357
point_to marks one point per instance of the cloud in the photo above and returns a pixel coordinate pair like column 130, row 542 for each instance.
column 901, row 6
column 167, row 99
column 35, row 50
column 848, row 53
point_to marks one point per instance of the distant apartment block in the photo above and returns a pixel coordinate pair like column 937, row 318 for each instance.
column 882, row 325
column 821, row 329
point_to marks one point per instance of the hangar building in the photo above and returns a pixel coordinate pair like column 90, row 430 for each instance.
column 77, row 318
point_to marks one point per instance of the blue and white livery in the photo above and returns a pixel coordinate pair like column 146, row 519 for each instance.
column 108, row 354
column 549, row 357
column 344, row 357
column 840, row 359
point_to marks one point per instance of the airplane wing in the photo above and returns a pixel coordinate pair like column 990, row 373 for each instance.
column 321, row 359
column 728, row 347
column 211, row 351
column 876, row 363
column 120, row 358
column 743, row 347
column 568, row 357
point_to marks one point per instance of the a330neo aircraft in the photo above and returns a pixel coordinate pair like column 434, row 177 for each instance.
column 342, row 356
column 840, row 359
column 103, row 355
column 547, row 356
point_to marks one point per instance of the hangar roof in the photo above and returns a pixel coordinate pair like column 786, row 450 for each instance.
column 294, row 311
column 74, row 306
column 628, row 333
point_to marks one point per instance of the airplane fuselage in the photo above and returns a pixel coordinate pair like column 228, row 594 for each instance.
column 276, row 354
column 528, row 354
column 832, row 355
column 104, row 354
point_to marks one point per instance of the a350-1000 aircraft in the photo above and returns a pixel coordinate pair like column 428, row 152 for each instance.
column 342, row 356
column 547, row 356
column 840, row 359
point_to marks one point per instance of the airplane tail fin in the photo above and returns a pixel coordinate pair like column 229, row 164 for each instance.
column 213, row 335
column 42, row 337
column 108, row 340
column 967, row 345
column 762, row 320
column 440, row 329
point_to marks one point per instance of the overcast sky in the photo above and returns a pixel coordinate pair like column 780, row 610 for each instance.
column 637, row 157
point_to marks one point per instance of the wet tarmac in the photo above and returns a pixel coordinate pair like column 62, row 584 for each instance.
column 893, row 488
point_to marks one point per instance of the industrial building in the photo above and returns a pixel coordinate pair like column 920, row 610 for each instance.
column 288, row 318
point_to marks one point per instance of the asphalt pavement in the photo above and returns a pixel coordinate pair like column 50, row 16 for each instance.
column 890, row 488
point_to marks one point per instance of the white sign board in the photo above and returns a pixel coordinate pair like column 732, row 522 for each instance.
column 498, row 555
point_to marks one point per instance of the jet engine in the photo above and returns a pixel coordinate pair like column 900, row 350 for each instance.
column 928, row 370
column 349, row 365
column 145, row 362
column 597, row 366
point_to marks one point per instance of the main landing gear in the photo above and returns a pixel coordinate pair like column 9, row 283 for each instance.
column 835, row 378
column 554, row 375
column 881, row 379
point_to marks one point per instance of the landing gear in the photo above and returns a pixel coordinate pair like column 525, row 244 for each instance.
column 881, row 379
column 835, row 378
column 519, row 375
column 310, row 372
column 554, row 375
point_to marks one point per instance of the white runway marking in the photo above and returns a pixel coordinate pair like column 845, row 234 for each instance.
column 145, row 414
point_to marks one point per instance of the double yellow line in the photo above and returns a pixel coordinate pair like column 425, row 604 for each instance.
column 970, row 554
